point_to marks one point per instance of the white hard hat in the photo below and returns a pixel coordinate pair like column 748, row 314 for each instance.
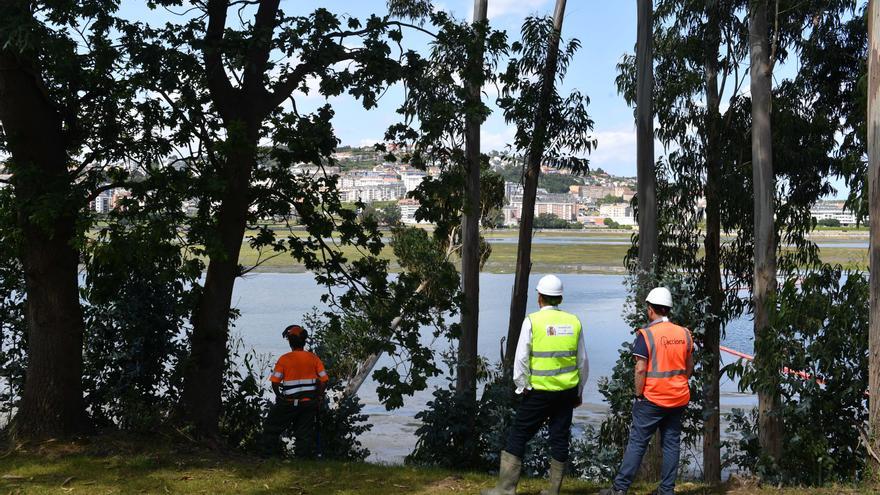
column 660, row 297
column 550, row 285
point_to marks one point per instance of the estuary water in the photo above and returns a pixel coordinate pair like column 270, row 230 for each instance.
column 268, row 302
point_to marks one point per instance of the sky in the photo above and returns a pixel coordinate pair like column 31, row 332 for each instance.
column 606, row 30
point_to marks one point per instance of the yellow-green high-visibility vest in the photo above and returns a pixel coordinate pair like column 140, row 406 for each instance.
column 553, row 362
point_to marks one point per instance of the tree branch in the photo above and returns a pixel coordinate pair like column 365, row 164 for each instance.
column 260, row 46
column 285, row 88
column 775, row 44
column 222, row 91
column 106, row 187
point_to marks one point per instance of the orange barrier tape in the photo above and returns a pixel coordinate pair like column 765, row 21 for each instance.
column 786, row 370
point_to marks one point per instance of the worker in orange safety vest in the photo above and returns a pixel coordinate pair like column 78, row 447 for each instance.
column 298, row 380
column 664, row 364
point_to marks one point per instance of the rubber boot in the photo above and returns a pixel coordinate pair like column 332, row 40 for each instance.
column 557, row 471
column 508, row 476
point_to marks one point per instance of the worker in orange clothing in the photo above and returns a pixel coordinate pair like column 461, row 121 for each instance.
column 664, row 354
column 299, row 380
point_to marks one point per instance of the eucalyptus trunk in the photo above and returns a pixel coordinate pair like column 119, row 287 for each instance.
column 646, row 178
column 712, row 272
column 769, row 421
column 466, row 378
column 47, row 216
column 646, row 185
column 874, row 212
column 520, row 297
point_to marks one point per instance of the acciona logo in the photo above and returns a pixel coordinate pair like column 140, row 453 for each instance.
column 667, row 341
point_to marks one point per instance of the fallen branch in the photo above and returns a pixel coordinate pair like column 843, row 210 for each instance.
column 863, row 437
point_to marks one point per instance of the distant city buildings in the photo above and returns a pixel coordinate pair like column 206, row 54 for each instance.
column 408, row 208
column 621, row 213
column 833, row 210
column 384, row 182
column 108, row 200
column 562, row 206
column 602, row 191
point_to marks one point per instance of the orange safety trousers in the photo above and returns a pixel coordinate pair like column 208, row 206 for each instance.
column 669, row 347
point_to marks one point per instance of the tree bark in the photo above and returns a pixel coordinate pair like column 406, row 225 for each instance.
column 646, row 184
column 874, row 219
column 769, row 422
column 646, row 179
column 520, row 296
column 52, row 402
column 203, row 379
column 712, row 273
column 466, row 378
column 242, row 111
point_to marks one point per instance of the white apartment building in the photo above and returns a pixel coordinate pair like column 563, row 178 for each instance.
column 412, row 178
column 408, row 208
column 103, row 203
column 561, row 205
column 833, row 210
column 369, row 193
column 621, row 213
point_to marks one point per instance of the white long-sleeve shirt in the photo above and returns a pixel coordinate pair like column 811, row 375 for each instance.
column 521, row 369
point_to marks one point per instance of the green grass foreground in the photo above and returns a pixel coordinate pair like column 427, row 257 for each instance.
column 104, row 466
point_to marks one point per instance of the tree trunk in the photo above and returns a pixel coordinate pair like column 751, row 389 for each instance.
column 646, row 184
column 646, row 179
column 712, row 274
column 466, row 378
column 874, row 219
column 203, row 379
column 520, row 296
column 51, row 403
column 769, row 422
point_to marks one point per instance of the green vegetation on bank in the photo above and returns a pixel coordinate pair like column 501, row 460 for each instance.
column 561, row 258
column 105, row 466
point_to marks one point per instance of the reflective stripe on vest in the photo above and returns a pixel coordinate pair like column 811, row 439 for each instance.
column 669, row 346
column 553, row 360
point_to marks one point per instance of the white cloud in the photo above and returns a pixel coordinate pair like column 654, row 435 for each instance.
column 614, row 147
column 369, row 142
column 490, row 141
column 499, row 8
column 313, row 83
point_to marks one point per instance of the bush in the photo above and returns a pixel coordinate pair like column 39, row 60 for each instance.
column 245, row 396
column 137, row 288
column 821, row 329
column 551, row 221
column 829, row 222
column 341, row 422
column 443, row 442
column 618, row 389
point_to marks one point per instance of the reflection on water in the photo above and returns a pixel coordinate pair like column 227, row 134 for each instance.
column 268, row 302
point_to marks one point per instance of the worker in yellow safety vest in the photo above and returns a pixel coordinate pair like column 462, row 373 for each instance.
column 550, row 370
column 664, row 354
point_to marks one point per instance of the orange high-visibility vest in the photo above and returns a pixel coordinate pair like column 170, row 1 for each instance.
column 669, row 347
column 299, row 373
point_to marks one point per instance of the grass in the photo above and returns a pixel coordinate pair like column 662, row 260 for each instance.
column 560, row 258
column 103, row 466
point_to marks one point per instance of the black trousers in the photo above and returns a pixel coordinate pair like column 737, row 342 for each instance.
column 286, row 416
column 539, row 407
